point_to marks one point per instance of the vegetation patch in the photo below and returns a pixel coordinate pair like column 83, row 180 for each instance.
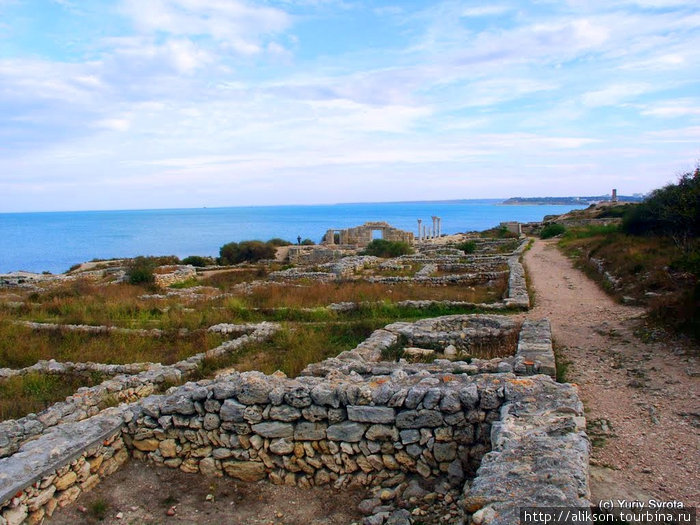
column 33, row 392
column 21, row 346
column 383, row 248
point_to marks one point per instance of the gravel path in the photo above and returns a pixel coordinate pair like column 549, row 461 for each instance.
column 642, row 398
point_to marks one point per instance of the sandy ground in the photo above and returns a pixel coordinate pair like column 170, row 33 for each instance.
column 141, row 494
column 642, row 398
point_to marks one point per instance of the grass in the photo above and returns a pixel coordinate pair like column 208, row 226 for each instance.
column 321, row 294
column 562, row 364
column 33, row 392
column 98, row 509
column 294, row 347
column 20, row 346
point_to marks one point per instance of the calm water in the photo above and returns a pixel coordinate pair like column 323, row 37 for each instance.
column 55, row 241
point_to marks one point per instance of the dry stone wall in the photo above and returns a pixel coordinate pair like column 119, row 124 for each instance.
column 125, row 387
column 372, row 423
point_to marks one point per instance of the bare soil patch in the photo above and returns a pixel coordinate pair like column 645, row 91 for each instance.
column 142, row 494
column 641, row 388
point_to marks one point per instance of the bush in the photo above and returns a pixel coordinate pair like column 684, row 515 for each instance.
column 141, row 270
column 198, row 261
column 278, row 242
column 245, row 251
column 383, row 248
column 307, row 242
column 673, row 210
column 467, row 246
column 552, row 230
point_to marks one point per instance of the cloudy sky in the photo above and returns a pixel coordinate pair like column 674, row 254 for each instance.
column 186, row 103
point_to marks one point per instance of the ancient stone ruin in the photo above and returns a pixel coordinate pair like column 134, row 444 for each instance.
column 464, row 403
column 362, row 235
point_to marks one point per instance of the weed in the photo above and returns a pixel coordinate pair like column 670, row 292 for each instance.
column 98, row 509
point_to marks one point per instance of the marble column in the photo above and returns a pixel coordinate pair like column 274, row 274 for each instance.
column 420, row 238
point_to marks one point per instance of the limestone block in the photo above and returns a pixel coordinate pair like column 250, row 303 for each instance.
column 346, row 431
column 244, row 470
column 371, row 414
column 274, row 429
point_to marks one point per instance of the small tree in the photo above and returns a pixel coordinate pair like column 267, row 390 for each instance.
column 140, row 270
column 673, row 210
column 245, row 251
column 467, row 246
column 383, row 248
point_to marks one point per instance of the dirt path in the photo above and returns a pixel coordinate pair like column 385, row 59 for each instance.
column 642, row 398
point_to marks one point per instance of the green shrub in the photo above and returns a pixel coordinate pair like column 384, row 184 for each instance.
column 592, row 230
column 198, row 261
column 383, row 248
column 140, row 270
column 245, row 251
column 673, row 210
column 467, row 246
column 278, row 242
column 552, row 230
column 307, row 242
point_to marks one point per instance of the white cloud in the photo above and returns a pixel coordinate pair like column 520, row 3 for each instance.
column 614, row 94
column 242, row 27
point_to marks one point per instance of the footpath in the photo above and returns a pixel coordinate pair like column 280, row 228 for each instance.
column 642, row 396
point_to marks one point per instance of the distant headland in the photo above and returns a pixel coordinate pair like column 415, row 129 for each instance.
column 572, row 201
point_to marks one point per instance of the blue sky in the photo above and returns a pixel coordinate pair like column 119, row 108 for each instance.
column 188, row 103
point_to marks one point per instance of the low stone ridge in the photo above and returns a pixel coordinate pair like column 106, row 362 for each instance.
column 540, row 455
column 535, row 353
column 518, row 296
column 55, row 469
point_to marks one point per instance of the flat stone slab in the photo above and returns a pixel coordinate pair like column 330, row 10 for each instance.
column 40, row 457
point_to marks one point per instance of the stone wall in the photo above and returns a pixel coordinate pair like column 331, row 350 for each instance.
column 55, row 469
column 87, row 402
column 174, row 274
column 371, row 423
column 316, row 431
column 362, row 235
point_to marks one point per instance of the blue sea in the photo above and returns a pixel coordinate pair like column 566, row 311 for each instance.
column 54, row 241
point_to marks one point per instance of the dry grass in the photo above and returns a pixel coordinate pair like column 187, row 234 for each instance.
column 21, row 395
column 20, row 346
column 296, row 346
column 321, row 294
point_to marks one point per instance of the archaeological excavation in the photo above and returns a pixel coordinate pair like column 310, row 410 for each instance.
column 429, row 394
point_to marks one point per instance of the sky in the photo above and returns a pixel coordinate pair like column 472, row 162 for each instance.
column 131, row 104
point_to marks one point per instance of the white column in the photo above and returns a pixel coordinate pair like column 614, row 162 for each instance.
column 419, row 230
column 439, row 227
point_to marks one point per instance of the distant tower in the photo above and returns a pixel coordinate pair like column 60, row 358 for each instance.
column 614, row 195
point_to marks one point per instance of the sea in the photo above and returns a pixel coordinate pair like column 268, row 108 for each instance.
column 54, row 241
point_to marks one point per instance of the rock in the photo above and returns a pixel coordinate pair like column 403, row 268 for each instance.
column 146, row 445
column 450, row 351
column 418, row 419
column 177, row 404
column 281, row 447
column 347, row 431
column 244, row 470
column 399, row 517
column 367, row 506
column 168, row 448
column 65, row 481
column 207, row 466
column 274, row 429
column 444, row 451
column 285, row 413
column 371, row 414
column 307, row 431
column 382, row 433
column 232, row 411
